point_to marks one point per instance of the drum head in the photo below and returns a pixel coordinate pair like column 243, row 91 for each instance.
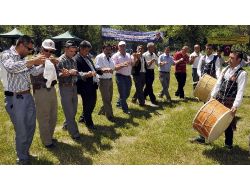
column 220, row 126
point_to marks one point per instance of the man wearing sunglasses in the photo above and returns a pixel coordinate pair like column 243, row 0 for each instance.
column 18, row 100
column 46, row 99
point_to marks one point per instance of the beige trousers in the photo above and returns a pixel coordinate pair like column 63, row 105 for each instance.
column 46, row 109
column 106, row 89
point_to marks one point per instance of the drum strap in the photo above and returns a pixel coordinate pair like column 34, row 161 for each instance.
column 238, row 72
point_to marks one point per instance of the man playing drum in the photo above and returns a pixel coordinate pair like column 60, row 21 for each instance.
column 208, row 64
column 229, row 91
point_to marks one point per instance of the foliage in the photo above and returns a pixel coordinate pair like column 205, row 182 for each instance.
column 181, row 34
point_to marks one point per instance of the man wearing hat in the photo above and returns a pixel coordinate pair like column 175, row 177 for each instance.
column 46, row 99
column 67, row 77
column 123, row 67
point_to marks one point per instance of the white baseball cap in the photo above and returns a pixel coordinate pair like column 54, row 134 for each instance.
column 48, row 44
column 121, row 43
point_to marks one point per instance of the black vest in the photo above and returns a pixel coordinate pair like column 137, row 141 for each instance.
column 209, row 68
column 228, row 89
column 137, row 68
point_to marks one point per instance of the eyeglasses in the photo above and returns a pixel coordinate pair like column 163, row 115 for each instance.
column 209, row 48
column 48, row 51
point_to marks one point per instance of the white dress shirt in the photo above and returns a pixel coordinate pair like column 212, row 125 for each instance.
column 241, row 84
column 101, row 61
column 118, row 58
column 207, row 60
column 196, row 59
column 149, row 57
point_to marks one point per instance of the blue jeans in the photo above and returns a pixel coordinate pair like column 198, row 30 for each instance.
column 25, row 123
column 124, row 84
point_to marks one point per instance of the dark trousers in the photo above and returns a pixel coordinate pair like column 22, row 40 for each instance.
column 195, row 77
column 181, row 79
column 124, row 84
column 139, row 81
column 229, row 133
column 88, row 104
column 148, row 90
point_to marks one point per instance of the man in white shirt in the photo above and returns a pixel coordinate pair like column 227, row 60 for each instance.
column 123, row 67
column 194, row 59
column 209, row 63
column 151, row 61
column 104, row 62
column 229, row 91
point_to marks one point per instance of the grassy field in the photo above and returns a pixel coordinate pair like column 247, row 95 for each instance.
column 148, row 136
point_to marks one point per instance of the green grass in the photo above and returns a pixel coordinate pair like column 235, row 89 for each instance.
column 147, row 136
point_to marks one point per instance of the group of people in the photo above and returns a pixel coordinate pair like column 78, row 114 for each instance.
column 78, row 74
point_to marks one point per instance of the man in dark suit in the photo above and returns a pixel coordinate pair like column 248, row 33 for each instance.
column 87, row 83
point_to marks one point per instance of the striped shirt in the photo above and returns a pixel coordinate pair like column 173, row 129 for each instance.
column 66, row 63
column 18, row 74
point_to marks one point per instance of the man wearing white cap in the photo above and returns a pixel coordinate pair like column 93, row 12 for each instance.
column 123, row 69
column 46, row 98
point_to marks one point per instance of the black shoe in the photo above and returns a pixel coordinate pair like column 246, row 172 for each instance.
column 81, row 120
column 23, row 162
column 133, row 101
column 91, row 127
column 77, row 138
column 64, row 127
column 112, row 119
column 101, row 112
column 50, row 146
column 118, row 104
column 160, row 95
column 155, row 102
column 228, row 147
column 141, row 105
column 54, row 141
column 127, row 112
column 199, row 140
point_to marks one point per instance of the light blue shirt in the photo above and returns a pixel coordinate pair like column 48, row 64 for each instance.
column 165, row 58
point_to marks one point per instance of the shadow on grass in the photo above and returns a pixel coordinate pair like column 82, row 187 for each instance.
column 38, row 161
column 69, row 154
column 121, row 122
column 94, row 143
column 236, row 156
